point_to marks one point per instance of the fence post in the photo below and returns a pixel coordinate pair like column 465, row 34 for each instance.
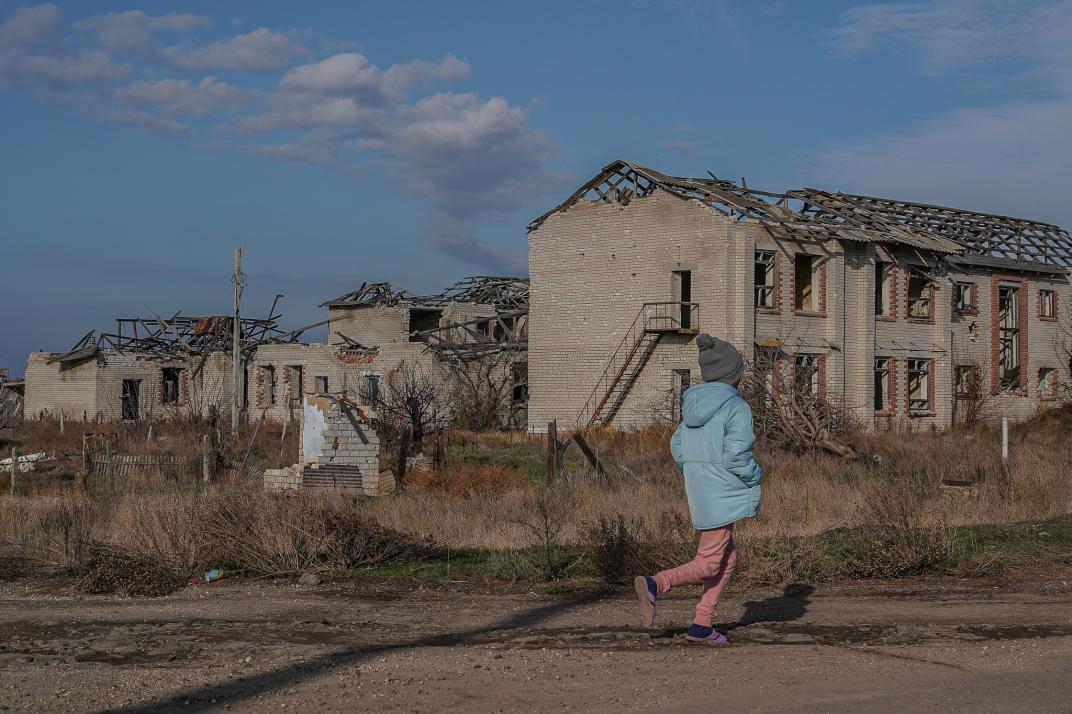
column 206, row 459
column 552, row 451
column 61, row 421
column 1004, row 438
column 108, row 467
column 14, row 468
column 83, row 475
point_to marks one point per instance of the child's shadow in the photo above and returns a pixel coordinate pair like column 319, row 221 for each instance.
column 792, row 604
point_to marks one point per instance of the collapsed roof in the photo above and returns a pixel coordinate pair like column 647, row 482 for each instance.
column 814, row 214
column 505, row 293
column 175, row 337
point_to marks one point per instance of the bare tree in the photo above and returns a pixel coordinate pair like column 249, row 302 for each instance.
column 410, row 400
column 480, row 389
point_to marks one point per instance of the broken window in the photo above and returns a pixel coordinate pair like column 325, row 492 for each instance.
column 1008, row 337
column 806, row 375
column 321, row 384
column 883, row 381
column 1047, row 304
column 171, row 380
column 519, row 376
column 129, row 398
column 682, row 382
column 966, row 381
column 964, row 297
column 1047, row 384
column 883, row 271
column 919, row 386
column 920, row 293
column 765, row 279
column 764, row 363
column 422, row 320
column 804, row 282
column 370, row 389
column 683, row 285
column 268, row 379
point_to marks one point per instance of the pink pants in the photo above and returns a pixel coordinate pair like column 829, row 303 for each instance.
column 712, row 566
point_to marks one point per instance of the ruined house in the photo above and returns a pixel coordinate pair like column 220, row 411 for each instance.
column 157, row 368
column 901, row 312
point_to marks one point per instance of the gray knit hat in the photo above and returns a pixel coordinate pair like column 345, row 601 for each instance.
column 719, row 361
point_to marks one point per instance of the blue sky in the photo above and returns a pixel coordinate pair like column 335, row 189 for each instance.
column 339, row 142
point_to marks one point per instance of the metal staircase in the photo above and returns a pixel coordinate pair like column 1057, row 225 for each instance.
column 654, row 320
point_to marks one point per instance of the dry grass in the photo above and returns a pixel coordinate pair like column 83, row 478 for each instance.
column 881, row 515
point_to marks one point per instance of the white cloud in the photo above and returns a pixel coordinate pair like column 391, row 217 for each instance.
column 25, row 25
column 351, row 73
column 64, row 70
column 132, row 31
column 303, row 112
column 257, row 51
column 182, row 97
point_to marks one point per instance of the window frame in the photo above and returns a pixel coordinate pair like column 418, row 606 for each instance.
column 1051, row 301
column 884, row 281
column 919, row 272
column 972, row 308
column 887, row 404
column 769, row 260
column 927, row 384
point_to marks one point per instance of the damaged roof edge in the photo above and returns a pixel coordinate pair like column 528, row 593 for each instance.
column 828, row 215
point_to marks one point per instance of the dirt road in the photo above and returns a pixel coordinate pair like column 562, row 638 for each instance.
column 392, row 646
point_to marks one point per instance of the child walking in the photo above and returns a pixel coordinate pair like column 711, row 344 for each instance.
column 713, row 449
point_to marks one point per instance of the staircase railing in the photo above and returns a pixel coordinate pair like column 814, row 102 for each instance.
column 653, row 317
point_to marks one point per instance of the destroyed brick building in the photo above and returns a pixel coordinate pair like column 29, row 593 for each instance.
column 899, row 311
column 156, row 368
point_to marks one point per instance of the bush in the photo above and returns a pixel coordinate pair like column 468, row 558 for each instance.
column 108, row 569
column 620, row 549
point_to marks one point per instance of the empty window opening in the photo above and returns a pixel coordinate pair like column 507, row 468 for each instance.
column 171, row 389
column 1008, row 337
column 883, row 381
column 1047, row 382
column 919, row 386
column 422, row 320
column 682, row 382
column 764, row 279
column 964, row 297
column 1047, row 304
column 297, row 385
column 806, row 375
column 920, row 293
column 268, row 378
column 321, row 384
column 683, row 291
column 129, row 399
column 966, row 381
column 519, row 376
column 370, row 389
column 883, row 271
column 804, row 282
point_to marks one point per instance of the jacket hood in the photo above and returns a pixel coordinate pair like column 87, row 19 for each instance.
column 703, row 401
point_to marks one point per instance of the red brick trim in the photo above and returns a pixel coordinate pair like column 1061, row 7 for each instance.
column 822, row 376
column 891, row 314
column 996, row 279
column 1056, row 305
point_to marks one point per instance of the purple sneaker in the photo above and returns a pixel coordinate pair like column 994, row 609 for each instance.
column 646, row 592
column 705, row 635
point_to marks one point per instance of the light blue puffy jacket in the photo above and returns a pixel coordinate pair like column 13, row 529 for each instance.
column 713, row 449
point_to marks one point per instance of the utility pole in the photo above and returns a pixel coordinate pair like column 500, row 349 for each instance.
column 236, row 348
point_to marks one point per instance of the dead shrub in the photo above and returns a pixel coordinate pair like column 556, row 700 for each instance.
column 465, row 478
column 619, row 549
column 108, row 569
